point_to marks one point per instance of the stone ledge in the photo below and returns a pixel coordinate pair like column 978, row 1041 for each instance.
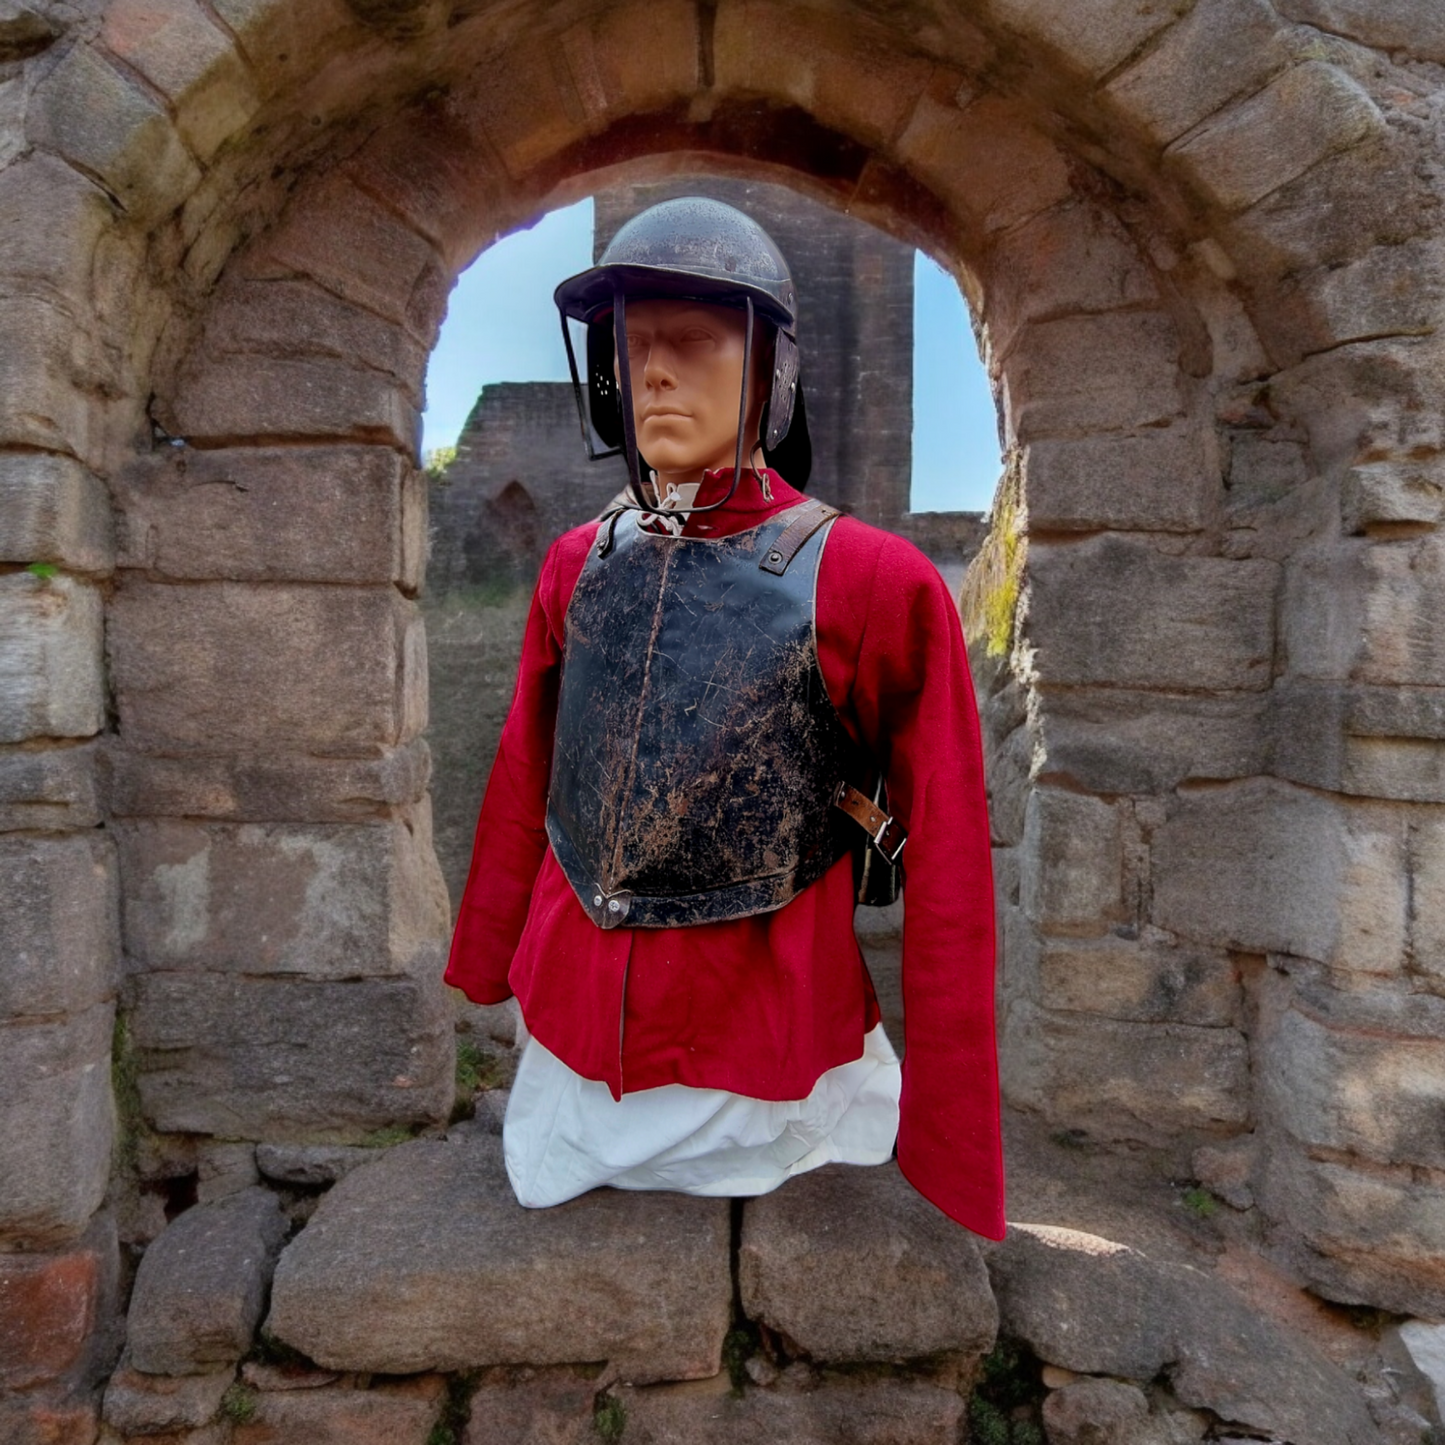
column 424, row 1261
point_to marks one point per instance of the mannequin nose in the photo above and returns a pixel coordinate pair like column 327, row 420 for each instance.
column 658, row 369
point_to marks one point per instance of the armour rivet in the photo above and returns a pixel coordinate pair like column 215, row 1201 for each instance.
column 597, row 901
column 614, row 907
column 775, row 556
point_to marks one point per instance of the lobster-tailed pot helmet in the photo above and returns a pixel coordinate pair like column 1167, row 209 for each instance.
column 693, row 249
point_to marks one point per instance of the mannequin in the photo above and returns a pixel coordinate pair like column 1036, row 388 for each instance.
column 697, row 1012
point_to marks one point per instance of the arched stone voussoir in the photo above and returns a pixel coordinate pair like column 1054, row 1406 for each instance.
column 853, row 76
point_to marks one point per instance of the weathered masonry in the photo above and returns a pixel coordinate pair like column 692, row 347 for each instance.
column 1204, row 240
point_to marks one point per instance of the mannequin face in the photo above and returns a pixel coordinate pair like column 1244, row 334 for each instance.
column 686, row 366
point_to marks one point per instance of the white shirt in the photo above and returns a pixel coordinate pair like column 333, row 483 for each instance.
column 563, row 1134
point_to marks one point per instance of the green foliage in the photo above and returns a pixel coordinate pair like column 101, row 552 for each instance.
column 238, row 1404
column 385, row 1138
column 987, row 1425
column 477, row 1068
column 989, row 596
column 609, row 1418
column 131, row 1126
column 740, row 1344
column 43, row 569
column 456, row 1411
column 1004, row 1407
column 436, row 462
column 1200, row 1201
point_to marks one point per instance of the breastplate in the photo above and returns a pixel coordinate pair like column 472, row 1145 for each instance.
column 696, row 747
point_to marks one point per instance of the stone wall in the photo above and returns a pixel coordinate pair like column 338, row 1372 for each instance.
column 1204, row 244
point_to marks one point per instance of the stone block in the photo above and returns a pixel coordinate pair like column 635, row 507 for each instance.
column 50, row 658
column 201, row 1286
column 1117, row 740
column 1358, row 1234
column 543, row 1407
column 51, row 219
column 274, row 514
column 1269, row 868
column 1092, row 41
column 527, row 111
column 353, row 246
column 190, row 61
column 32, row 1420
column 1125, row 1081
column 1261, row 470
column 339, row 668
column 281, row 39
column 637, row 58
column 1392, row 290
column 985, row 160
column 141, row 1404
column 58, row 926
column 852, row 1264
column 1098, row 1307
column 1427, row 893
column 1113, row 372
column 1072, row 878
column 1070, row 260
column 1139, row 981
column 1093, row 1411
column 849, row 77
column 311, row 1165
column 293, row 318
column 260, row 399
column 337, row 1415
column 1309, row 112
column 1115, row 611
column 1155, row 481
column 262, row 787
column 425, row 1261
column 337, row 901
column 1413, row 28
column 1353, row 1075
column 224, row 1167
column 42, row 404
column 110, row 128
column 53, row 510
column 1403, row 637
column 56, row 1125
column 875, row 1412
column 292, row 1058
column 1386, row 494
column 49, row 788
column 1219, row 50
column 48, row 1307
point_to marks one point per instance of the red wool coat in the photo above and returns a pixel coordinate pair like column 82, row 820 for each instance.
column 762, row 1006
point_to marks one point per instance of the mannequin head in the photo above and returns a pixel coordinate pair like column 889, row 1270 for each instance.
column 686, row 372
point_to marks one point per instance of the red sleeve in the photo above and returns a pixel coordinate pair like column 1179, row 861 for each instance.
column 914, row 703
column 511, row 837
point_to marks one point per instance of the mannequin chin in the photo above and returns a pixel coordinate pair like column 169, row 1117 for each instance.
column 687, row 371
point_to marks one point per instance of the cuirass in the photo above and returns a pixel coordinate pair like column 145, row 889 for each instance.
column 696, row 746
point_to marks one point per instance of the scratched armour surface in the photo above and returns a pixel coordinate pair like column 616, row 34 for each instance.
column 696, row 747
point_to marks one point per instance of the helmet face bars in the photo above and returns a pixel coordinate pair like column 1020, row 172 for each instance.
column 694, row 249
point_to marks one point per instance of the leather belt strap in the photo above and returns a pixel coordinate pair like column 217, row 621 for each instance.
column 887, row 833
column 809, row 519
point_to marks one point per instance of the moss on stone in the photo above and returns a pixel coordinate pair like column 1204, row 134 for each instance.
column 989, row 596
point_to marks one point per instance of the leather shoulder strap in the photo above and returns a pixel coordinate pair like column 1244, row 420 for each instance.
column 811, row 515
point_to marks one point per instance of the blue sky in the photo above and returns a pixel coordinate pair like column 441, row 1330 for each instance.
column 502, row 326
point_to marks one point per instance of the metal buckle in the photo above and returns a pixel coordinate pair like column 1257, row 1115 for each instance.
column 878, row 843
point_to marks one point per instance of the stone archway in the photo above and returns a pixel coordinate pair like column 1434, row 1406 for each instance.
column 1204, row 244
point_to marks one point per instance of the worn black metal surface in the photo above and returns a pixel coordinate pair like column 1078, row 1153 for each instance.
column 697, row 748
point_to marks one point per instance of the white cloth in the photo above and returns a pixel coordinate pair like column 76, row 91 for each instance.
column 563, row 1134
